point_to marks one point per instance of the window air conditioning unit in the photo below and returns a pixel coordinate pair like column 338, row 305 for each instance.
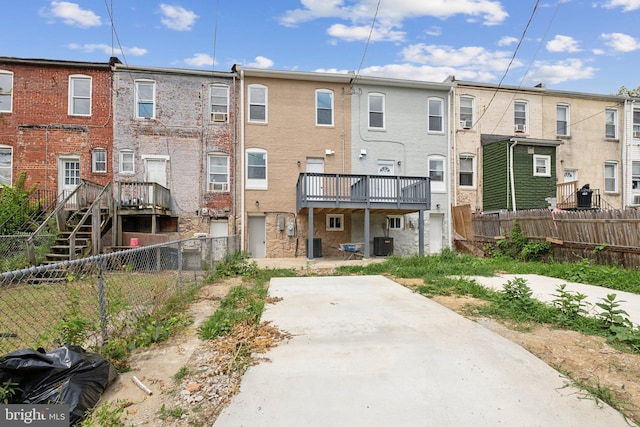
column 218, row 117
column 465, row 124
column 520, row 127
column 636, row 199
column 636, row 133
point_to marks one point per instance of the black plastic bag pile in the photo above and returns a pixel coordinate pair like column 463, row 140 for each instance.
column 67, row 375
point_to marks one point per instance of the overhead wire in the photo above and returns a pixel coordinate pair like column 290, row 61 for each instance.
column 366, row 46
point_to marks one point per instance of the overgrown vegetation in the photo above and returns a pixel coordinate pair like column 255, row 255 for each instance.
column 519, row 247
column 15, row 213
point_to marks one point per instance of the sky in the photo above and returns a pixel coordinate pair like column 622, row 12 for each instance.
column 585, row 46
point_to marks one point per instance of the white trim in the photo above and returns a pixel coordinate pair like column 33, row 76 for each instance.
column 547, row 165
column 438, row 186
column 257, row 183
column 218, row 116
column 10, row 148
column 121, row 152
column 330, row 93
column 138, row 83
column 330, row 227
column 395, row 217
column 615, row 176
column 8, row 92
column 472, row 157
column 93, row 160
column 250, row 102
column 441, row 115
column 382, row 111
column 154, row 156
column 79, row 77
column 567, row 110
column 210, row 185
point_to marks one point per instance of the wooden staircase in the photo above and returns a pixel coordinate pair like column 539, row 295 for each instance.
column 81, row 219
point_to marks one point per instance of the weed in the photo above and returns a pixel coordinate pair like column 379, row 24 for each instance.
column 73, row 327
column 165, row 412
column 570, row 305
column 612, row 314
column 107, row 415
column 182, row 372
column 8, row 390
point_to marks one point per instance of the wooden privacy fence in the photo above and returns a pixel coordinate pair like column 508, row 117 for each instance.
column 607, row 237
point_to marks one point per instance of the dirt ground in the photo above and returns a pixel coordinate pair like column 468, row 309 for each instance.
column 209, row 379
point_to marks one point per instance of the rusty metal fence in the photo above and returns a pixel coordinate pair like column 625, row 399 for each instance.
column 96, row 298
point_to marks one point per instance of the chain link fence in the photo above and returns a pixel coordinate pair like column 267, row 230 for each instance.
column 102, row 296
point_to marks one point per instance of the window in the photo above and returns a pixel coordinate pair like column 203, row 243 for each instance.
column 436, row 173
column 126, row 161
column 258, row 103
column 256, row 169
column 636, row 123
column 218, row 176
column 6, row 165
column 324, row 107
column 376, row 110
column 145, row 99
column 467, row 170
column 520, row 116
column 635, row 175
column 435, row 107
column 99, row 160
column 335, row 222
column 79, row 95
column 466, row 112
column 611, row 121
column 562, row 120
column 611, row 177
column 541, row 165
column 219, row 101
column 6, row 91
column 394, row 222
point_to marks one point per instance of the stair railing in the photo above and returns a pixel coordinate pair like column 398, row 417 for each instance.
column 94, row 211
column 57, row 213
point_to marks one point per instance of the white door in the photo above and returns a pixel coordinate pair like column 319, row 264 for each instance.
column 219, row 229
column 257, row 236
column 436, row 230
column 315, row 183
column 570, row 175
column 69, row 178
column 383, row 189
column 155, row 171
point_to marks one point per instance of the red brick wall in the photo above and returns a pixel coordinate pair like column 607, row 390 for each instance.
column 39, row 128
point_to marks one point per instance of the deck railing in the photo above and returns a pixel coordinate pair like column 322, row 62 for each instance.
column 353, row 191
column 143, row 195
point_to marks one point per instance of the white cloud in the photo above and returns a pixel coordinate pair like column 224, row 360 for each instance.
column 107, row 50
column 71, row 14
column 177, row 17
column 200, row 60
column 507, row 41
column 470, row 57
column 562, row 43
column 420, row 72
column 598, row 51
column 620, row 42
column 627, row 5
column 361, row 33
column 391, row 15
column 561, row 71
column 435, row 31
column 260, row 62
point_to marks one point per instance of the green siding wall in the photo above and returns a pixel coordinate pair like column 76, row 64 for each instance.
column 531, row 191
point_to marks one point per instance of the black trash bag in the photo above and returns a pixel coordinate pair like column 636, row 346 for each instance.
column 67, row 375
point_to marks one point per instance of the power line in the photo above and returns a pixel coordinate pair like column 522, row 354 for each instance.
column 364, row 53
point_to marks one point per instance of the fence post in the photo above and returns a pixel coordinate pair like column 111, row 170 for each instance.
column 103, row 308
column 179, row 266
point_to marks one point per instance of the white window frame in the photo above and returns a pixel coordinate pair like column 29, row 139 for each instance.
column 395, row 222
column 467, row 117
column 74, row 96
column 218, row 186
column 635, row 176
column 611, row 165
column 438, row 185
column 9, row 149
column 435, row 114
column 567, row 124
column 257, row 183
column 251, row 90
column 335, row 222
column 7, row 92
column 95, row 162
column 472, row 171
column 546, row 164
column 611, row 120
column 124, row 153
column 521, row 115
column 218, row 112
column 376, row 113
column 139, row 101
column 322, row 108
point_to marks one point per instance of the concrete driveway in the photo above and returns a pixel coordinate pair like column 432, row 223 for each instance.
column 368, row 352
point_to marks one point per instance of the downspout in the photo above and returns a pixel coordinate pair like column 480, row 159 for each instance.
column 454, row 162
column 511, row 178
column 242, row 177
